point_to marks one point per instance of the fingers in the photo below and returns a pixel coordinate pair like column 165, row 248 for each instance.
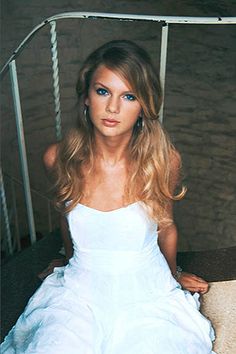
column 197, row 289
column 193, row 283
column 54, row 263
column 199, row 279
column 194, row 277
column 44, row 274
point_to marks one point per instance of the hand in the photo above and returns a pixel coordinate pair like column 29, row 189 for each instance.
column 54, row 263
column 193, row 283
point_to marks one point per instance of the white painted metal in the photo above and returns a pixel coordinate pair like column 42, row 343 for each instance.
column 164, row 43
column 16, row 221
column 22, row 149
column 14, row 181
column 117, row 16
column 133, row 17
column 5, row 214
column 55, row 75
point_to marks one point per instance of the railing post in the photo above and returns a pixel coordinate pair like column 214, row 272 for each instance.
column 56, row 91
column 22, row 149
column 17, row 231
column 5, row 214
column 164, row 42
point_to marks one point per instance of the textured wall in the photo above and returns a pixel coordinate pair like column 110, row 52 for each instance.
column 199, row 106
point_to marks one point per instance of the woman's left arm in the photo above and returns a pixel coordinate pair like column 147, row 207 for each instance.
column 168, row 238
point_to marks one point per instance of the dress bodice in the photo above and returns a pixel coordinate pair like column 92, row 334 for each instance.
column 125, row 229
column 116, row 241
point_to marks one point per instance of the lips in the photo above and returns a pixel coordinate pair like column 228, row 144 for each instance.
column 110, row 122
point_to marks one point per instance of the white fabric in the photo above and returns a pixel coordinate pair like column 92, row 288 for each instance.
column 116, row 295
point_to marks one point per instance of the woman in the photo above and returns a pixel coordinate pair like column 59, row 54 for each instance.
column 116, row 176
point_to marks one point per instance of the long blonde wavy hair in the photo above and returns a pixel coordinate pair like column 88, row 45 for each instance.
column 150, row 149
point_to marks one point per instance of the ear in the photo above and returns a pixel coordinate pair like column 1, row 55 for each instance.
column 86, row 101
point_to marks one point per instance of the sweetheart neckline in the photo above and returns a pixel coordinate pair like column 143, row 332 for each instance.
column 107, row 211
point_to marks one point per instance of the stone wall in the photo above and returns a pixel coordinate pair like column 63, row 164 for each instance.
column 199, row 104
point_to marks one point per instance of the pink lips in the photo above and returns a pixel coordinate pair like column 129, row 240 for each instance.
column 110, row 122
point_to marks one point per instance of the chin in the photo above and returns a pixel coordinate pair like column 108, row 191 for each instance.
column 112, row 132
column 108, row 132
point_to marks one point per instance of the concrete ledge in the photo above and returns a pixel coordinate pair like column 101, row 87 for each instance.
column 219, row 305
column 212, row 265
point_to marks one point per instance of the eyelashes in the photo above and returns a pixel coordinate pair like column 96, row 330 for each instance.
column 103, row 92
column 130, row 97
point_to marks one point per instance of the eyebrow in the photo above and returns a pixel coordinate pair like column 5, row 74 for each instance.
column 100, row 83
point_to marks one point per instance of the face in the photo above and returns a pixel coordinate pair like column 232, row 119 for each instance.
column 113, row 107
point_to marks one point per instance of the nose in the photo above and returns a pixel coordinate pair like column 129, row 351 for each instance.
column 113, row 105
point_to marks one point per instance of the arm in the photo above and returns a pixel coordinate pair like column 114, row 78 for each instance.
column 49, row 159
column 65, row 234
column 68, row 246
column 168, row 238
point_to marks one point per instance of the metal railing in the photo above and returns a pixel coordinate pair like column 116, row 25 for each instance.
column 11, row 67
column 13, row 242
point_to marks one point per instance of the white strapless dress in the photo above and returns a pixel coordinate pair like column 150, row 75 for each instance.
column 116, row 295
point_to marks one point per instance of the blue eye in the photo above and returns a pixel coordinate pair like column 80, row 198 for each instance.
column 101, row 91
column 130, row 97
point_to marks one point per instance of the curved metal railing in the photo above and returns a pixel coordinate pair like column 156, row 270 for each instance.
column 13, row 242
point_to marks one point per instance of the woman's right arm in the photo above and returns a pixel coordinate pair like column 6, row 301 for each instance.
column 65, row 234
column 49, row 159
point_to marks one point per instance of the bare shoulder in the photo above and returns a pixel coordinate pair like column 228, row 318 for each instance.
column 175, row 166
column 50, row 155
column 175, row 161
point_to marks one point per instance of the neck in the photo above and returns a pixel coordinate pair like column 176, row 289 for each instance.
column 112, row 150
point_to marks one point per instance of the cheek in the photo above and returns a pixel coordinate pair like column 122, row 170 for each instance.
column 96, row 108
column 91, row 99
column 136, row 108
column 96, row 102
column 136, row 111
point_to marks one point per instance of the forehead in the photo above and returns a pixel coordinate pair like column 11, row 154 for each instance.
column 110, row 77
